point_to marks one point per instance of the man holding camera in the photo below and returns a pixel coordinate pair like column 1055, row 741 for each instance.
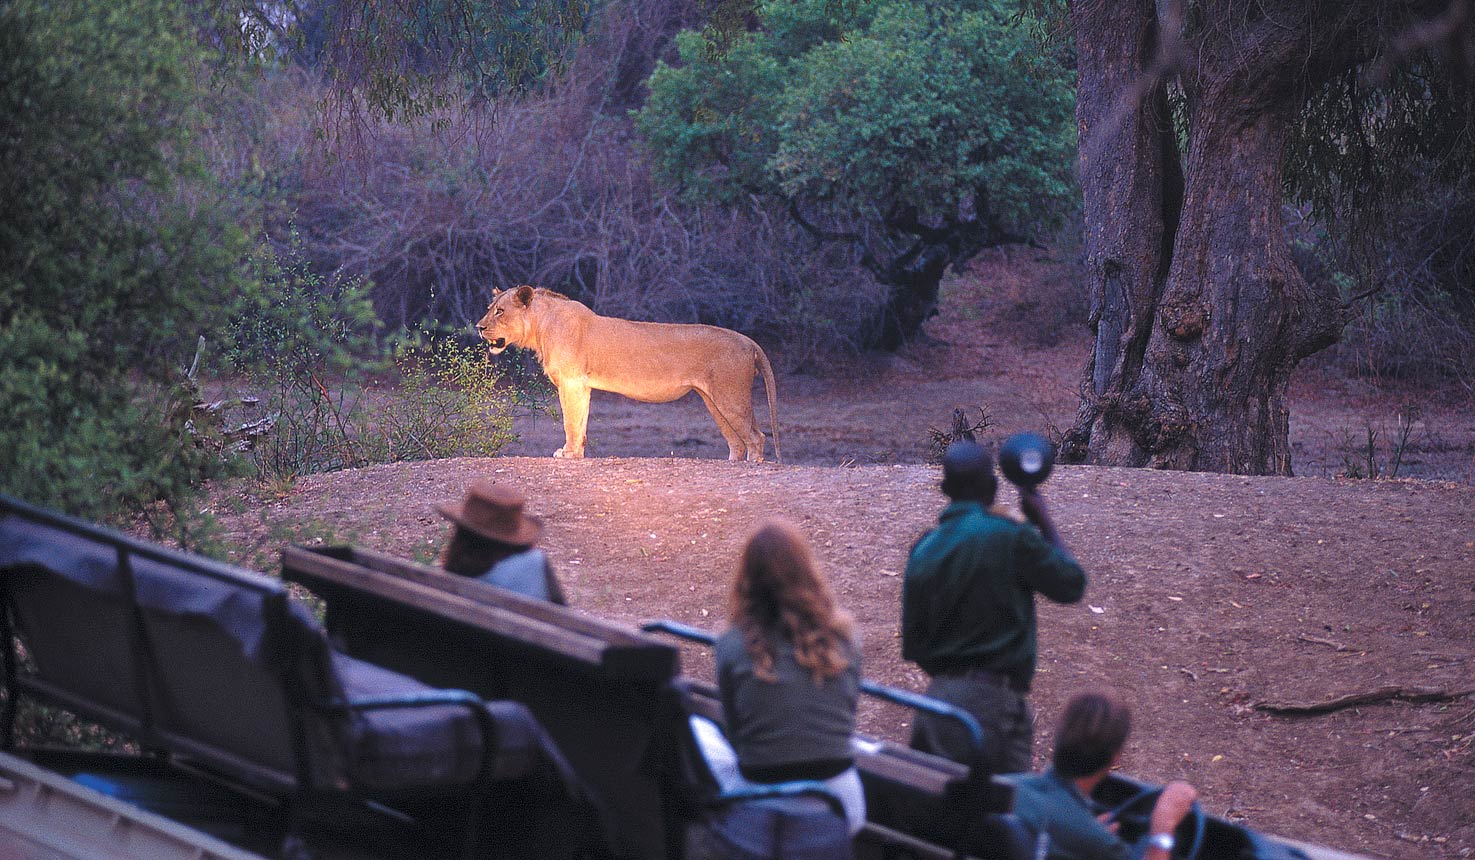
column 968, row 612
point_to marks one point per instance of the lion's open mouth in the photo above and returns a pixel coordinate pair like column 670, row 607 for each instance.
column 497, row 345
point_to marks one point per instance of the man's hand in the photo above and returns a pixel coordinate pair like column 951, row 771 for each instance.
column 1032, row 505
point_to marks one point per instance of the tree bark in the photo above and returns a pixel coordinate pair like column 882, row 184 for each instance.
column 1195, row 344
column 1131, row 188
column 1235, row 316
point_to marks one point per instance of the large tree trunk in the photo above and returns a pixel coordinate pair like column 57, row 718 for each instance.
column 1194, row 374
column 1235, row 316
column 914, row 285
column 1131, row 187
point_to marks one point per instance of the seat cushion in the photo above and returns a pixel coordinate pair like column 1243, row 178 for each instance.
column 795, row 828
column 406, row 748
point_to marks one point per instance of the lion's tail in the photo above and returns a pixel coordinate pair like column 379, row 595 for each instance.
column 768, row 385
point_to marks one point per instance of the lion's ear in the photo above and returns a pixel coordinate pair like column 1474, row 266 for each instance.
column 496, row 291
column 524, row 295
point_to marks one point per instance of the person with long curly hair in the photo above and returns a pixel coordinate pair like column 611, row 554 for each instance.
column 788, row 672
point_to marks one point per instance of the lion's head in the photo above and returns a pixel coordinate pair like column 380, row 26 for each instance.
column 506, row 320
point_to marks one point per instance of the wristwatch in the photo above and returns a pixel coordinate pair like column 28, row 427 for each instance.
column 1164, row 841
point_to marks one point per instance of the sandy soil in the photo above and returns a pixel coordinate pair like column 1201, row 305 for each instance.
column 1215, row 602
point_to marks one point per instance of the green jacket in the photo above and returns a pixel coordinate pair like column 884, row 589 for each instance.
column 968, row 595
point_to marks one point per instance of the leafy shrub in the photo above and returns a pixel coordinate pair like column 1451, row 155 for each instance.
column 916, row 133
column 289, row 317
column 306, row 349
column 450, row 402
column 114, row 248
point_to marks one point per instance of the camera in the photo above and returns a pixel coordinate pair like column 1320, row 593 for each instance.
column 1026, row 459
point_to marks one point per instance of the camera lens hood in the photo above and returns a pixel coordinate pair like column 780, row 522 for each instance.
column 1026, row 459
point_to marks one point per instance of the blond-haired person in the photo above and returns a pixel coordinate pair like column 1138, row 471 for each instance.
column 788, row 673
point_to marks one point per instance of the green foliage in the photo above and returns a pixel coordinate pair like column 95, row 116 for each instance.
column 114, row 247
column 897, row 106
column 288, row 317
column 1384, row 153
column 305, row 349
column 450, row 403
column 711, row 125
column 1367, row 145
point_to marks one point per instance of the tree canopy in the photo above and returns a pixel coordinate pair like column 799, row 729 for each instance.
column 114, row 251
column 921, row 133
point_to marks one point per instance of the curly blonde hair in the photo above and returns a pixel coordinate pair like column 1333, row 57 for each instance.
column 779, row 592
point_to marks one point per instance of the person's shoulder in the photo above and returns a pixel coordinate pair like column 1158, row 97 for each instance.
column 997, row 511
column 1031, row 783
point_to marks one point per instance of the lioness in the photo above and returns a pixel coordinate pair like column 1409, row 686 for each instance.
column 652, row 362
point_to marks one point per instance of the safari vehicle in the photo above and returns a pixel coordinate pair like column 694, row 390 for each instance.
column 426, row 716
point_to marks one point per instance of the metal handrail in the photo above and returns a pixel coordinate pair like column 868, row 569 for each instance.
column 906, row 698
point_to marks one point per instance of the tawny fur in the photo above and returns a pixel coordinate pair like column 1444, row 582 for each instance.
column 652, row 362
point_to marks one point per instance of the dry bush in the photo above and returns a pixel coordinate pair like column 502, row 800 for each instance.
column 1413, row 289
column 550, row 191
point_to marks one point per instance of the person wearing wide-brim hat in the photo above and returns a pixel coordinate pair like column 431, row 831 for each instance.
column 492, row 539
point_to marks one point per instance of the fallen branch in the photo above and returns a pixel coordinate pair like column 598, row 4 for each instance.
column 1338, row 646
column 1381, row 694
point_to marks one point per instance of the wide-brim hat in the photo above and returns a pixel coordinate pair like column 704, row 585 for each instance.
column 494, row 511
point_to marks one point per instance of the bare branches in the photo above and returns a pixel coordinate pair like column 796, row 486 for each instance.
column 548, row 192
column 1450, row 35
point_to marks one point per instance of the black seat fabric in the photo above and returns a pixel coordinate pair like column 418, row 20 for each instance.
column 233, row 668
column 96, row 648
column 406, row 748
column 225, row 671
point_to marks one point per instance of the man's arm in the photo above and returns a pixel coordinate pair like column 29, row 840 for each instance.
column 1032, row 505
column 1172, row 806
column 1049, row 567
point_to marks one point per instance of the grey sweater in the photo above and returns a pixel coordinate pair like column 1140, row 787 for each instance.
column 788, row 721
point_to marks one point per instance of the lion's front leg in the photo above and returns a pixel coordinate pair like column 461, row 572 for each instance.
column 573, row 400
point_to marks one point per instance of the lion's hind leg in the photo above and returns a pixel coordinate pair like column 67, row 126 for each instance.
column 737, row 445
column 755, row 434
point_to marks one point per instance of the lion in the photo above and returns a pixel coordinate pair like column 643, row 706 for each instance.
column 651, row 362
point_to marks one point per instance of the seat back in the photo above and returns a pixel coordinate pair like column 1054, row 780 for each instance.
column 197, row 657
column 235, row 664
column 594, row 685
column 71, row 601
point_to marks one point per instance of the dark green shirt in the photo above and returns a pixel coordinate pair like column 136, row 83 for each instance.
column 791, row 719
column 1050, row 804
column 967, row 600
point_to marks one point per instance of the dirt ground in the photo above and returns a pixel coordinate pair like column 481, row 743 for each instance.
column 1215, row 602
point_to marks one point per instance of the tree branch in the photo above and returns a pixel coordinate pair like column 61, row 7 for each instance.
column 817, row 231
column 1368, row 697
